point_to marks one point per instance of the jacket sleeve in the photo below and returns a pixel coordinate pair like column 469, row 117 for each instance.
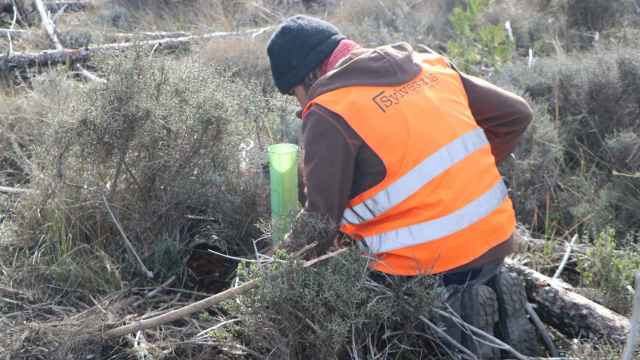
column 503, row 115
column 328, row 167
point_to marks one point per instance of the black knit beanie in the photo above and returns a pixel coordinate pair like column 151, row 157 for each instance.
column 299, row 45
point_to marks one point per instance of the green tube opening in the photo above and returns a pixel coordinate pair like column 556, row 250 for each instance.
column 283, row 174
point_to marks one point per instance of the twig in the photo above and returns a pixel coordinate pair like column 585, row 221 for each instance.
column 91, row 77
column 498, row 343
column 196, row 217
column 216, row 326
column 13, row 24
column 146, row 271
column 156, row 290
column 4, row 291
column 200, row 305
column 48, row 24
column 12, row 190
column 58, row 13
column 542, row 330
column 448, row 338
column 564, row 258
column 236, row 258
column 632, row 339
column 634, row 175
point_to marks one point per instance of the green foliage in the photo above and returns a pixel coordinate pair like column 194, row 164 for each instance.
column 476, row 44
column 334, row 310
column 611, row 269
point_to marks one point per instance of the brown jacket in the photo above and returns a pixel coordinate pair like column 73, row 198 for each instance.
column 338, row 165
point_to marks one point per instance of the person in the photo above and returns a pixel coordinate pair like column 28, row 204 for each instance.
column 400, row 156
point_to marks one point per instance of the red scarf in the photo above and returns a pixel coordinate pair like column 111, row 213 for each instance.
column 344, row 48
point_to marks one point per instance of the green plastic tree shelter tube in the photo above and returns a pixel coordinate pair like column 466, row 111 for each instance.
column 283, row 170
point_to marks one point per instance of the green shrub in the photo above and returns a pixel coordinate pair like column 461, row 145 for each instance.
column 335, row 311
column 611, row 269
column 476, row 44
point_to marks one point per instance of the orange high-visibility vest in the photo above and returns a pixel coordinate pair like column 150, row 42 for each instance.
column 442, row 203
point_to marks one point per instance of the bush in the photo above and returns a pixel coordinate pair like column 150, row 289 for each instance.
column 166, row 144
column 595, row 15
column 611, row 269
column 335, row 311
column 383, row 22
column 535, row 171
column 476, row 45
column 593, row 108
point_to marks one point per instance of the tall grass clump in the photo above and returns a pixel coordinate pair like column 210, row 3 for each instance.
column 336, row 311
column 171, row 146
column 593, row 107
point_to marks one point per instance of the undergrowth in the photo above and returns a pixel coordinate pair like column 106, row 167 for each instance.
column 584, row 170
column 335, row 310
column 163, row 143
column 611, row 269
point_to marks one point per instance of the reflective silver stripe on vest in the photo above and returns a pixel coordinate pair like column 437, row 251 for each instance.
column 438, row 228
column 417, row 177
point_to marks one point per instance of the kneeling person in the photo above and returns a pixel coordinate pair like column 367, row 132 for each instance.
column 400, row 155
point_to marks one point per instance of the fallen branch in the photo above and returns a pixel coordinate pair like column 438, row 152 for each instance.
column 47, row 24
column 571, row 313
column 200, row 305
column 88, row 75
column 144, row 269
column 156, row 290
column 12, row 190
column 634, row 333
column 150, row 35
column 73, row 56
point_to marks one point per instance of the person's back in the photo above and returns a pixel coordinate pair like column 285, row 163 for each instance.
column 400, row 156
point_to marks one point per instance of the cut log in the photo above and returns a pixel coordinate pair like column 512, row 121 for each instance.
column 572, row 314
column 71, row 56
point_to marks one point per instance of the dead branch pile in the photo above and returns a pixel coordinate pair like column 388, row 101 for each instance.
column 19, row 61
